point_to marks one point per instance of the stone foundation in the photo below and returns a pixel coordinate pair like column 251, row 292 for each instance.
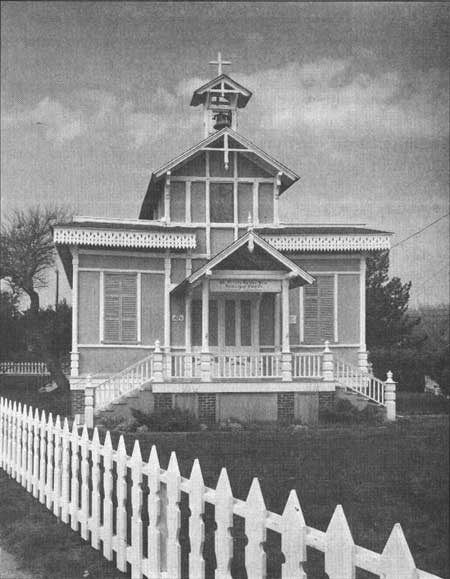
column 285, row 407
column 207, row 408
column 77, row 402
column 326, row 402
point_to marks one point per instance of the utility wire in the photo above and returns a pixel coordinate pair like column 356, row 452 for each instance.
column 420, row 230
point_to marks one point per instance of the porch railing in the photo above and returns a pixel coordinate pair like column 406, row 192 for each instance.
column 182, row 365
column 306, row 365
column 247, row 366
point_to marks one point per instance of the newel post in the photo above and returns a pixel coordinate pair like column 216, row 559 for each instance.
column 389, row 397
column 89, row 400
column 157, row 363
column 327, row 363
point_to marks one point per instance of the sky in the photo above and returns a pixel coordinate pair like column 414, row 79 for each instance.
column 353, row 97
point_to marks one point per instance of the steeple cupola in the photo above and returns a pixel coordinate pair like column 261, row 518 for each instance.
column 221, row 98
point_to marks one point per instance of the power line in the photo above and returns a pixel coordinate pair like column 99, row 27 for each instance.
column 420, row 230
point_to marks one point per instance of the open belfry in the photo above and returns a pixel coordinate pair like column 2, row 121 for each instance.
column 207, row 301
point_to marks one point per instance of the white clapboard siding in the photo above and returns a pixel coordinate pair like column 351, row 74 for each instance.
column 48, row 459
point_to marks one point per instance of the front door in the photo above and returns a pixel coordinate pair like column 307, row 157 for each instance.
column 234, row 325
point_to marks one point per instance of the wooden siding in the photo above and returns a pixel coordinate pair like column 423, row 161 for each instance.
column 89, row 312
column 348, row 309
column 152, row 296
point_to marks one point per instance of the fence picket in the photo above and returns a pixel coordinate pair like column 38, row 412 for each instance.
column 173, row 517
column 339, row 548
column 24, row 444
column 65, row 470
column 36, row 451
column 42, row 457
column 121, row 513
column 152, row 470
column 224, row 522
column 293, row 539
column 50, row 447
column 57, row 470
column 74, row 482
column 196, row 524
column 136, row 506
column 107, row 499
column 396, row 559
column 84, row 507
column 29, row 471
column 95, row 493
column 255, row 529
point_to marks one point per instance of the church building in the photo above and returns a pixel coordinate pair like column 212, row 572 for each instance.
column 207, row 301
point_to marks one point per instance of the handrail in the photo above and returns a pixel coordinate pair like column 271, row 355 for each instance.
column 355, row 379
column 123, row 382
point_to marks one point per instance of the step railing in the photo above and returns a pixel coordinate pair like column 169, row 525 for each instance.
column 363, row 383
column 122, row 383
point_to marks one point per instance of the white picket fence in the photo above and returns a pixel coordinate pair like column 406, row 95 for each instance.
column 24, row 368
column 99, row 491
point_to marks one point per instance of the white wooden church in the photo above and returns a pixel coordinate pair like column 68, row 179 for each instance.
column 207, row 301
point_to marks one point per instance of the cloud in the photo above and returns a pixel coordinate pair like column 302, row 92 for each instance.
column 59, row 123
column 333, row 97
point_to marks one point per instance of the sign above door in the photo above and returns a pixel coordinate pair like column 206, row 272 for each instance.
column 245, row 285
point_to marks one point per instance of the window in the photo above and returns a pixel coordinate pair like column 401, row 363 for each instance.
column 245, row 202
column 120, row 308
column 265, row 209
column 221, row 203
column 318, row 310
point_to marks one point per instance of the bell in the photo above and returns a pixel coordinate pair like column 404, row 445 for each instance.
column 222, row 120
column 220, row 100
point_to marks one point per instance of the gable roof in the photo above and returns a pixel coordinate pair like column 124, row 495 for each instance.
column 298, row 276
column 288, row 177
column 200, row 94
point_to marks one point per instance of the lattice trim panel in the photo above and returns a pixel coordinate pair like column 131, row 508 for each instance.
column 328, row 242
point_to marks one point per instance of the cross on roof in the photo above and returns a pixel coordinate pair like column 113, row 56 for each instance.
column 219, row 63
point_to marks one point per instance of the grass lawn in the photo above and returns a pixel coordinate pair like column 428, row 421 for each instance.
column 380, row 475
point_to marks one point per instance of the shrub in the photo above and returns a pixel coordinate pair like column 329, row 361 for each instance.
column 421, row 403
column 344, row 412
column 167, row 420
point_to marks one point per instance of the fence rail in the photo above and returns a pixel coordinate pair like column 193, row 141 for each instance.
column 100, row 490
column 24, row 368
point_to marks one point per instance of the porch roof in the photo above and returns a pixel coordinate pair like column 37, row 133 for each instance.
column 259, row 253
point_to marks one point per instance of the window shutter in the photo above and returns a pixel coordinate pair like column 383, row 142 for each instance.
column 318, row 310
column 120, row 304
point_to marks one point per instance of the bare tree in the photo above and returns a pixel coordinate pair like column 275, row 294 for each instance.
column 27, row 253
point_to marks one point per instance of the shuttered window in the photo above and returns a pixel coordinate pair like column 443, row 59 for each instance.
column 318, row 310
column 120, row 305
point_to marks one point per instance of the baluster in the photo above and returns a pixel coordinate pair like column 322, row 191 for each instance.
column 107, row 499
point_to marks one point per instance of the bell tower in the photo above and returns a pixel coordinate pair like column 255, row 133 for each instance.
column 221, row 98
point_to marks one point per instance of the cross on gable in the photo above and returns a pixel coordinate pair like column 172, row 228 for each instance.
column 220, row 63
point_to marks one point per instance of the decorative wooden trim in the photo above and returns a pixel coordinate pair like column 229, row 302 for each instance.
column 124, row 238
column 328, row 242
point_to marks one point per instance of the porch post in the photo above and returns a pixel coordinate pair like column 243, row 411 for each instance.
column 277, row 338
column 286, row 356
column 205, row 355
column 187, row 321
column 362, row 354
column 74, row 354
